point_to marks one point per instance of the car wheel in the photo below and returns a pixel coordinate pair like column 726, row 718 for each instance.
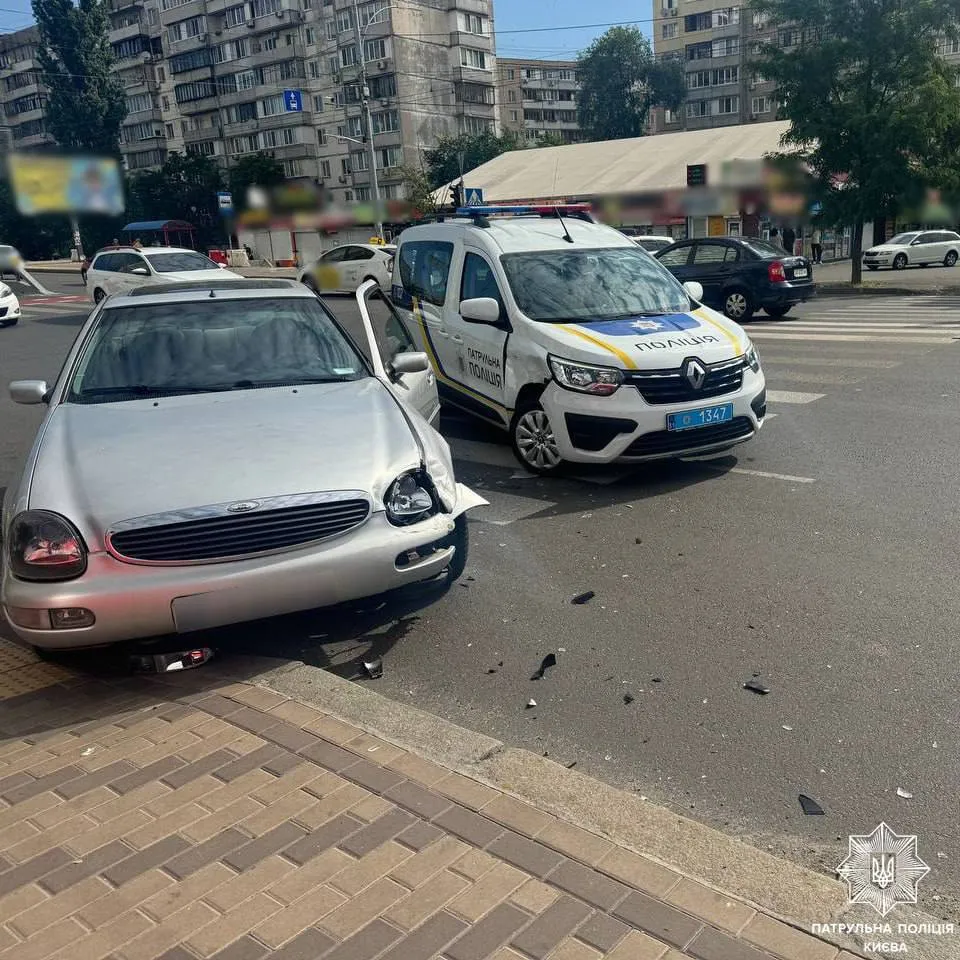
column 900, row 261
column 460, row 540
column 950, row 260
column 778, row 313
column 98, row 295
column 738, row 305
column 533, row 440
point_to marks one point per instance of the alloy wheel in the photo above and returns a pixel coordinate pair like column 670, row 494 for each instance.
column 535, row 440
column 736, row 305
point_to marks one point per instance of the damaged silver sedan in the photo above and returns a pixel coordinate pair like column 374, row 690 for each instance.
column 219, row 453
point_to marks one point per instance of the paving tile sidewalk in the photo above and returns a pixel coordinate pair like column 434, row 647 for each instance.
column 192, row 817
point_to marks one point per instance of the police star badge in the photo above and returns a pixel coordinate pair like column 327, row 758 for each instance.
column 646, row 325
column 882, row 869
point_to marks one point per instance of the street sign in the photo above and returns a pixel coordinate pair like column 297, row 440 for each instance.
column 225, row 203
column 293, row 100
column 474, row 197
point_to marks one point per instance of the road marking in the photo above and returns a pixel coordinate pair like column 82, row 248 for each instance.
column 772, row 476
column 811, row 337
column 767, row 360
column 792, row 396
column 835, row 326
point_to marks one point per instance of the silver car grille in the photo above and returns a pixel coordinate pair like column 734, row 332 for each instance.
column 237, row 530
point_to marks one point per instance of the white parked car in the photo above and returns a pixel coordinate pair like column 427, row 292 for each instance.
column 344, row 269
column 582, row 347
column 917, row 248
column 9, row 307
column 122, row 269
column 653, row 244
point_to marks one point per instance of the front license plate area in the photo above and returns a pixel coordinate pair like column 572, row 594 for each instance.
column 704, row 417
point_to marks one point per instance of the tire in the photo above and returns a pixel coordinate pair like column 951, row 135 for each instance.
column 460, row 539
column 738, row 305
column 778, row 313
column 533, row 441
column 950, row 260
column 900, row 261
column 98, row 295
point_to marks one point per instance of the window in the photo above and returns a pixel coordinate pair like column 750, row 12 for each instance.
column 204, row 148
column 142, row 101
column 699, row 51
column 724, row 76
column 711, row 253
column 668, row 30
column 292, row 168
column 513, row 115
column 284, row 137
column 670, row 116
column 170, row 131
column 698, row 108
column 348, row 56
column 262, row 8
column 727, row 47
column 698, row 79
column 475, row 125
column 375, row 50
column 321, row 137
column 373, row 13
column 240, row 113
column 425, row 269
column 236, row 15
column 476, row 59
column 359, row 161
column 287, row 70
column 386, row 121
column 317, row 103
column 309, row 36
column 511, row 73
column 726, row 17
column 267, row 44
column 383, row 88
column 479, row 280
column 330, row 29
column 760, row 20
column 762, row 105
column 512, row 96
column 196, row 90
column 788, row 37
column 727, row 105
column 471, row 23
column 698, row 21
column 389, row 157
column 345, row 167
column 193, row 60
column 271, row 106
column 179, row 262
column 244, row 144
column 325, row 169
column 165, row 103
column 345, row 20
column 185, row 29
column 313, row 69
column 247, row 79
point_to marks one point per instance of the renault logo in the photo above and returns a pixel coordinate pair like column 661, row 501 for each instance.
column 244, row 506
column 695, row 373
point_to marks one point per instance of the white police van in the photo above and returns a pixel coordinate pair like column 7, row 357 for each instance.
column 566, row 333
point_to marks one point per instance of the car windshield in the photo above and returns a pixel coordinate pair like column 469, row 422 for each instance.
column 762, row 249
column 903, row 239
column 593, row 284
column 180, row 262
column 212, row 345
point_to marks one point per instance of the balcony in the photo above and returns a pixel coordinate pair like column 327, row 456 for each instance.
column 195, row 8
column 483, row 7
column 481, row 41
column 472, row 75
column 115, row 6
column 153, row 115
column 127, row 31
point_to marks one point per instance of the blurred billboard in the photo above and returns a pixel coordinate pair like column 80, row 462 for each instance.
column 51, row 183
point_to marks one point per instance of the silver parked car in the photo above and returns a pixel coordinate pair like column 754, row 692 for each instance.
column 220, row 452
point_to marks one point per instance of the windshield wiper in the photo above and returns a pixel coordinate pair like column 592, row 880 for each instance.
column 292, row 382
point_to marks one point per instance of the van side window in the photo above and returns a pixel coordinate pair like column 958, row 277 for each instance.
column 479, row 280
column 425, row 269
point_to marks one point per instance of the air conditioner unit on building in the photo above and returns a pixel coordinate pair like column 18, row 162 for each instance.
column 251, row 23
column 342, row 179
column 280, row 14
column 385, row 103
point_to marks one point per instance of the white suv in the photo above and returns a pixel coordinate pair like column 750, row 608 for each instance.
column 563, row 332
column 122, row 269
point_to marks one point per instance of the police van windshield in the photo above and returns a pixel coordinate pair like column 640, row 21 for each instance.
column 556, row 286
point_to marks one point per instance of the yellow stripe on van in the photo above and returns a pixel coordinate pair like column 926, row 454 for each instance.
column 619, row 354
column 705, row 318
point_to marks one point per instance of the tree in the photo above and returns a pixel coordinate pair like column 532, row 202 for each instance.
column 620, row 81
column 419, row 190
column 474, row 150
column 254, row 170
column 86, row 103
column 871, row 104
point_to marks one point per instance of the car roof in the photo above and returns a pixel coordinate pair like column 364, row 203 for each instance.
column 127, row 248
column 245, row 289
column 522, row 234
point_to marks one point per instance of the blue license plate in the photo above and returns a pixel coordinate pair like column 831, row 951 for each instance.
column 704, row 417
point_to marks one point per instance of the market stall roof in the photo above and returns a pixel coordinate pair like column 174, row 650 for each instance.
column 615, row 167
column 147, row 226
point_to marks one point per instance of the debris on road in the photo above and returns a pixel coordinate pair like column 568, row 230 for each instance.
column 571, row 764
column 550, row 660
column 810, row 806
column 581, row 598
column 88, row 752
column 905, row 794
column 656, row 679
column 628, row 698
column 755, row 686
column 374, row 668
column 169, row 662
column 785, row 727
column 531, row 703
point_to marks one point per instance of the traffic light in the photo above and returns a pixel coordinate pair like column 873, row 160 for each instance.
column 696, row 174
column 456, row 197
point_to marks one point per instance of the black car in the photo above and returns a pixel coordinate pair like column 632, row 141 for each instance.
column 741, row 275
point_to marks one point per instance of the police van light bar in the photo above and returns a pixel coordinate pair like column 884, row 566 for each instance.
column 519, row 211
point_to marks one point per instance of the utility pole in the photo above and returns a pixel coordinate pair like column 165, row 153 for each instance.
column 368, row 118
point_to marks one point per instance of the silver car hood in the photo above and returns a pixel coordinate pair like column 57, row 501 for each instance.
column 102, row 463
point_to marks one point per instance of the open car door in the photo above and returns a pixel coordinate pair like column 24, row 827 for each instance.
column 394, row 355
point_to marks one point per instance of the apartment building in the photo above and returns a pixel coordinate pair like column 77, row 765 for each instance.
column 715, row 42
column 223, row 78
column 538, row 98
column 22, row 94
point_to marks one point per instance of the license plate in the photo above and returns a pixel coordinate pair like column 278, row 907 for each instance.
column 704, row 417
column 800, row 272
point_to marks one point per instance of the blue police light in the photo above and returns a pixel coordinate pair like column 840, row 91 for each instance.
column 487, row 210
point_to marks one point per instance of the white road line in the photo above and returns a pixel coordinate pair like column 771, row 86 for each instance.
column 771, row 476
column 792, row 396
column 848, row 327
column 852, row 362
column 849, row 338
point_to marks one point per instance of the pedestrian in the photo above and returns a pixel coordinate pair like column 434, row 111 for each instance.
column 114, row 242
column 789, row 238
column 137, row 245
column 775, row 236
column 817, row 246
column 84, row 267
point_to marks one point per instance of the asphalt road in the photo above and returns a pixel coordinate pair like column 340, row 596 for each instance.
column 822, row 556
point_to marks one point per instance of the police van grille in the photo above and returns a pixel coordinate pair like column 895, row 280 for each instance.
column 671, row 386
column 236, row 536
column 671, row 441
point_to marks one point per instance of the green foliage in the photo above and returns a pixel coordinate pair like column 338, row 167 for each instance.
column 620, row 81
column 873, row 109
column 254, row 169
column 443, row 161
column 86, row 104
column 419, row 189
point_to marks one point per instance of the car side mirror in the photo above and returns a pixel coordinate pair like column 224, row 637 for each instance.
column 140, row 272
column 480, row 310
column 29, row 392
column 409, row 363
column 694, row 290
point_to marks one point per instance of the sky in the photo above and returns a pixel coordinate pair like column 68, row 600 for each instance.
column 520, row 24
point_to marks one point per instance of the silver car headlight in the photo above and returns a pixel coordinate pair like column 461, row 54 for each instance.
column 4, row 290
column 584, row 378
column 45, row 546
column 752, row 359
column 409, row 500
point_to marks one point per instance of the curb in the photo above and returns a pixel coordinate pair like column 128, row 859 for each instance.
column 846, row 289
